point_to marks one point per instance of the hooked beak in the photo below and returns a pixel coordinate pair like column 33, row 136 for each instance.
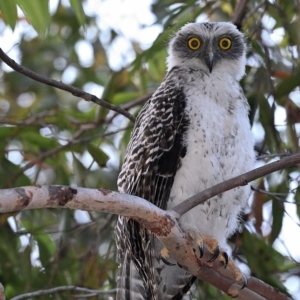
column 209, row 60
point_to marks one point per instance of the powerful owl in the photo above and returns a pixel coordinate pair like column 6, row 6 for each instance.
column 193, row 133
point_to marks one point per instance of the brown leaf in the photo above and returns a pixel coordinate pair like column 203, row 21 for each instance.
column 257, row 207
column 293, row 111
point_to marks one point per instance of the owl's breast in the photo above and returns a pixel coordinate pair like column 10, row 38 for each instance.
column 219, row 146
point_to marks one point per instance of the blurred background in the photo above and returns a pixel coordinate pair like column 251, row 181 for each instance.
column 116, row 50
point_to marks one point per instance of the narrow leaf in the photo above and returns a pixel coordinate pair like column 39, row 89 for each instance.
column 277, row 212
column 37, row 13
column 98, row 155
column 76, row 5
column 9, row 12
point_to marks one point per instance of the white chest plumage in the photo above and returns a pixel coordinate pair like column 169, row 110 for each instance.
column 219, row 147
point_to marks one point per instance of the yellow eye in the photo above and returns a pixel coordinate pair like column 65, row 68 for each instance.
column 225, row 43
column 194, row 43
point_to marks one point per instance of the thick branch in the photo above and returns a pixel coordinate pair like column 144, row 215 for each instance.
column 241, row 180
column 164, row 224
column 62, row 86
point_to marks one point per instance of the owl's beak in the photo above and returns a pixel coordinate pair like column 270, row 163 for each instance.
column 209, row 60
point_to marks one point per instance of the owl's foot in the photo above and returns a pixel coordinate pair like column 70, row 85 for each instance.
column 212, row 245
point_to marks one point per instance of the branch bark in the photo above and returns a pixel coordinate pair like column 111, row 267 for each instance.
column 62, row 86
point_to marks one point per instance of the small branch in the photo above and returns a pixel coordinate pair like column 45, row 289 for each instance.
column 63, row 288
column 62, row 86
column 239, row 13
column 241, row 180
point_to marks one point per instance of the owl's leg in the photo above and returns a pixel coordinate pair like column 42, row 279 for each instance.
column 212, row 245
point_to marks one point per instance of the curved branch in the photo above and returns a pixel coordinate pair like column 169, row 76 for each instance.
column 237, row 181
column 62, row 86
column 164, row 224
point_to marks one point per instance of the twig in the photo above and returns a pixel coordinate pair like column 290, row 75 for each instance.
column 62, row 86
column 60, row 289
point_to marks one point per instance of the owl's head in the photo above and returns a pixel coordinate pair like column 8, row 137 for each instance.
column 212, row 47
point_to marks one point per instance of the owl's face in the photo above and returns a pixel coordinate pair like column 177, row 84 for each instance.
column 212, row 47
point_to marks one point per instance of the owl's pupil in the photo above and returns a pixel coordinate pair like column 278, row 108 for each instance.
column 225, row 44
column 195, row 44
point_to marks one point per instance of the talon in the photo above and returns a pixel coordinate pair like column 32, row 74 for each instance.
column 198, row 241
column 225, row 256
column 215, row 254
column 201, row 250
column 245, row 281
column 179, row 265
column 167, row 262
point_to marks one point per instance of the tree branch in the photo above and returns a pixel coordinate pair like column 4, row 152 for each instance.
column 239, row 13
column 62, row 86
column 164, row 224
column 241, row 180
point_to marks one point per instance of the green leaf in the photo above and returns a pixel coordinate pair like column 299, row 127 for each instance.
column 297, row 199
column 7, row 174
column 46, row 248
column 120, row 98
column 98, row 155
column 9, row 12
column 37, row 13
column 76, row 5
column 266, row 114
column 278, row 210
column 265, row 256
column 277, row 213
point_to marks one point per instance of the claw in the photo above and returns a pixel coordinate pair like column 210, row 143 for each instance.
column 167, row 262
column 215, row 254
column 201, row 250
column 245, row 281
column 225, row 255
column 179, row 265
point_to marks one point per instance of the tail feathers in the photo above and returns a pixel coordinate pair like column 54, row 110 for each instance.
column 173, row 282
column 130, row 284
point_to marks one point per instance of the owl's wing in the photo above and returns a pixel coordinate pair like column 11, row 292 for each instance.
column 156, row 146
column 152, row 159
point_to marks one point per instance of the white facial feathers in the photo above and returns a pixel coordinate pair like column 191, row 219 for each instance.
column 211, row 56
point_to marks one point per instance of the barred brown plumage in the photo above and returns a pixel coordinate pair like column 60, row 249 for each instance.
column 186, row 138
column 148, row 171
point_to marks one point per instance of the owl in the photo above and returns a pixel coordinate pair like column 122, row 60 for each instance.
column 193, row 133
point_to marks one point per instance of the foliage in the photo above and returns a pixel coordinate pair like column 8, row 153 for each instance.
column 51, row 137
